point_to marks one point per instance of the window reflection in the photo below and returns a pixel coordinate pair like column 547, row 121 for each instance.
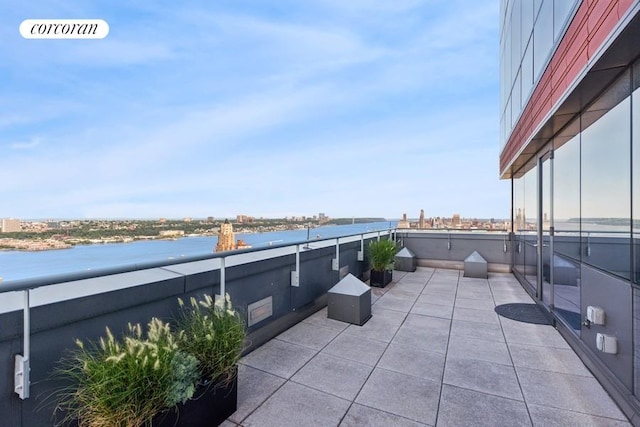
column 561, row 11
column 530, row 221
column 566, row 288
column 542, row 37
column 518, row 228
column 566, row 241
column 605, row 201
column 636, row 180
column 566, row 199
column 525, row 225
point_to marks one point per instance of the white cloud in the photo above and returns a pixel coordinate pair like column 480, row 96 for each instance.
column 222, row 109
column 33, row 143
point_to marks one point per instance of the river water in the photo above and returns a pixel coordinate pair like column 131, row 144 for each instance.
column 21, row 265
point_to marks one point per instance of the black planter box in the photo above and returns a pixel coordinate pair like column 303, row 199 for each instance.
column 380, row 279
column 209, row 406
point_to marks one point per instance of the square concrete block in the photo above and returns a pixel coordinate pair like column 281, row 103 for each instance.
column 349, row 301
column 475, row 266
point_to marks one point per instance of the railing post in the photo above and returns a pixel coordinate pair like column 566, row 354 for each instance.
column 295, row 275
column 22, row 362
column 336, row 260
column 223, row 286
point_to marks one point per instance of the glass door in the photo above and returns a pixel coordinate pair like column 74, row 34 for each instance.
column 545, row 231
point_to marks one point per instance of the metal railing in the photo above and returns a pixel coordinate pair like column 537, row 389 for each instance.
column 224, row 260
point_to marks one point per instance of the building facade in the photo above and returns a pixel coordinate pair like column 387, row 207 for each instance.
column 11, row 225
column 570, row 138
column 226, row 237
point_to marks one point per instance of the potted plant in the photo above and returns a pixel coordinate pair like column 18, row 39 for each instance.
column 182, row 377
column 214, row 333
column 381, row 258
column 125, row 382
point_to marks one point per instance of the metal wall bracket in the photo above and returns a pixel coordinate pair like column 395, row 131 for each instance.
column 21, row 376
column 295, row 275
column 21, row 367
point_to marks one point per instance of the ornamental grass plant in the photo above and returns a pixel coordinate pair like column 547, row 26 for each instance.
column 214, row 333
column 382, row 254
column 126, row 382
column 129, row 381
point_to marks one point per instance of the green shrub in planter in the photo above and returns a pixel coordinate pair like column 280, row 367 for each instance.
column 126, row 382
column 382, row 259
column 382, row 254
column 214, row 333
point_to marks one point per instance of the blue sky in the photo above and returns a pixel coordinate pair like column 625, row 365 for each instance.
column 351, row 108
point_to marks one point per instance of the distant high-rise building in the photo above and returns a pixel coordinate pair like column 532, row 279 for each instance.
column 242, row 219
column 403, row 223
column 11, row 225
column 226, row 237
column 455, row 220
column 421, row 223
column 209, row 219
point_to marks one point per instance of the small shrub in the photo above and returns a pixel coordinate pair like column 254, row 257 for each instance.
column 382, row 254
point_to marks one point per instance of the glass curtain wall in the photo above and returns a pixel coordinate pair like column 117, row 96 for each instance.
column 529, row 32
column 592, row 212
column 518, row 227
column 525, row 207
column 547, row 222
column 566, row 240
column 606, row 181
column 530, row 220
column 635, row 120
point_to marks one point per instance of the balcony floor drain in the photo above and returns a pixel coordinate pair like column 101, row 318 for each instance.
column 528, row 313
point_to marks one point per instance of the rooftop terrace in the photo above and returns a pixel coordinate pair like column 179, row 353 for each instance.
column 434, row 353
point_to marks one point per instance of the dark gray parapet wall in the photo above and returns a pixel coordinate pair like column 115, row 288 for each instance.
column 80, row 306
column 444, row 249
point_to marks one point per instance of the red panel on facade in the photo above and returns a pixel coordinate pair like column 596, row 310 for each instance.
column 623, row 6
column 590, row 27
column 597, row 11
column 601, row 31
column 577, row 63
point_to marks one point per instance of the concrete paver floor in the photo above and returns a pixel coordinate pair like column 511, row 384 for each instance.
column 433, row 353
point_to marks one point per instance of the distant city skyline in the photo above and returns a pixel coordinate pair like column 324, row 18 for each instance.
column 361, row 108
column 422, row 221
